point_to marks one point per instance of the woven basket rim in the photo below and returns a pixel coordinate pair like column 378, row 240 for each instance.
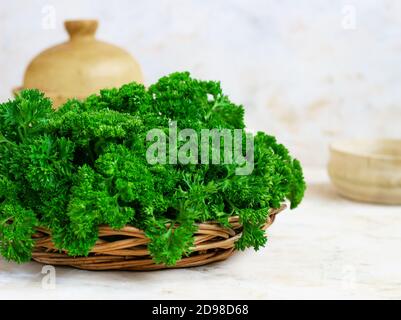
column 213, row 242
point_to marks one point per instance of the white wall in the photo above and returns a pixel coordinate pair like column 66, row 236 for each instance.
column 307, row 71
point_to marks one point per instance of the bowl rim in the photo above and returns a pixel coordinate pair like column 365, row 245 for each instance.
column 344, row 146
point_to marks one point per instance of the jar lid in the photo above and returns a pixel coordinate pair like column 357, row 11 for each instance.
column 81, row 66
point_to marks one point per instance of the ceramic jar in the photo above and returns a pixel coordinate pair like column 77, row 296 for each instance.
column 81, row 66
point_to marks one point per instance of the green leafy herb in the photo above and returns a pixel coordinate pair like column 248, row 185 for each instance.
column 85, row 164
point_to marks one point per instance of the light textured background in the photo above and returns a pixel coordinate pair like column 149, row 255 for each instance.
column 307, row 71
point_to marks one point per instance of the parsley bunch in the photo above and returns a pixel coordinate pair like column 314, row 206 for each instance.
column 84, row 165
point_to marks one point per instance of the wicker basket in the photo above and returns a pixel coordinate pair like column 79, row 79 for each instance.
column 212, row 243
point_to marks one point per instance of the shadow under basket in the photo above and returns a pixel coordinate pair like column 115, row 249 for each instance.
column 212, row 243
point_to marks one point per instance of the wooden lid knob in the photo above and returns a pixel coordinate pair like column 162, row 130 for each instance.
column 81, row 28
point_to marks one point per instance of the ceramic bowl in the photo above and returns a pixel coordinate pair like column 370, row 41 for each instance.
column 367, row 170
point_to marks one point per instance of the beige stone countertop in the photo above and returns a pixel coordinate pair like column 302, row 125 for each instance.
column 328, row 248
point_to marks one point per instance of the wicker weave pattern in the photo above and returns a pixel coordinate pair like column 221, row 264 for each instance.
column 212, row 243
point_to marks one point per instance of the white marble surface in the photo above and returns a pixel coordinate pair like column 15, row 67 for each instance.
column 327, row 248
column 308, row 71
